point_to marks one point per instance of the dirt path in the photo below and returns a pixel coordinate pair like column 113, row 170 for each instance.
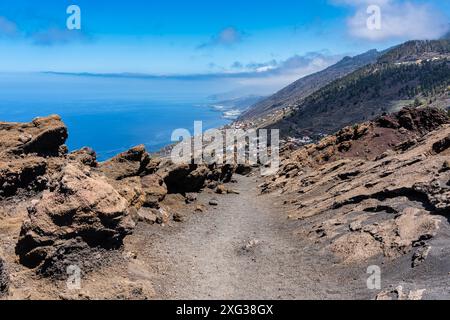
column 241, row 249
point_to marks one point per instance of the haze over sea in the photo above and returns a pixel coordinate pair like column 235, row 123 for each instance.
column 109, row 115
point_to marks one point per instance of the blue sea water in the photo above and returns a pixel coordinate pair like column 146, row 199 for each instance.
column 109, row 115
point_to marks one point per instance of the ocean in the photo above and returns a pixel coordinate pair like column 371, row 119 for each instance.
column 109, row 115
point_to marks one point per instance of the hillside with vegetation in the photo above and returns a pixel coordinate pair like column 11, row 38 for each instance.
column 416, row 73
column 303, row 87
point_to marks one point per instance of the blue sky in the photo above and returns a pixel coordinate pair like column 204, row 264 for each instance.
column 292, row 37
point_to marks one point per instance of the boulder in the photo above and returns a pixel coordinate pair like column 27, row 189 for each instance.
column 420, row 120
column 131, row 189
column 148, row 215
column 22, row 173
column 191, row 197
column 131, row 163
column 85, row 156
column 43, row 136
column 179, row 217
column 162, row 216
column 154, row 190
column 83, row 207
column 436, row 191
column 442, row 145
column 243, row 169
column 221, row 189
column 186, row 178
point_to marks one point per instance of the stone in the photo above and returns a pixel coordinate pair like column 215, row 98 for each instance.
column 163, row 216
column 83, row 208
column 191, row 197
column 127, row 164
column 355, row 226
column 42, row 137
column 154, row 190
column 243, row 169
column 179, row 217
column 441, row 145
column 221, row 189
column 85, row 156
column 212, row 185
column 445, row 166
column 186, row 178
column 200, row 208
column 213, row 202
column 399, row 293
column 420, row 255
column 27, row 173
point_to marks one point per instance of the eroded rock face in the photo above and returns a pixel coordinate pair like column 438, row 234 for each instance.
column 83, row 207
column 358, row 206
column 421, row 120
column 131, row 163
column 26, row 173
column 4, row 278
column 188, row 178
column 392, row 237
column 370, row 140
column 154, row 189
column 85, row 156
column 27, row 151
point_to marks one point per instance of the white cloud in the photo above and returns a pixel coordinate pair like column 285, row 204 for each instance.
column 405, row 20
column 296, row 65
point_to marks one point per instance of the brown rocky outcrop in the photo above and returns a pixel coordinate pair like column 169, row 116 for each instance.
column 28, row 151
column 85, row 156
column 127, row 164
column 154, row 189
column 26, row 173
column 42, row 136
column 370, row 140
column 361, row 204
column 83, row 206
column 187, row 178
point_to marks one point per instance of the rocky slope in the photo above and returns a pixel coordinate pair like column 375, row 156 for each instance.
column 59, row 209
column 377, row 193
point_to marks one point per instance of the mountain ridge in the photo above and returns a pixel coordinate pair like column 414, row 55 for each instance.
column 414, row 73
column 304, row 86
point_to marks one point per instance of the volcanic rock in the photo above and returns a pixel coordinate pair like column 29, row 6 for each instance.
column 85, row 156
column 83, row 207
column 42, row 136
column 390, row 205
column 154, row 190
column 148, row 215
column 22, row 173
column 127, row 164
